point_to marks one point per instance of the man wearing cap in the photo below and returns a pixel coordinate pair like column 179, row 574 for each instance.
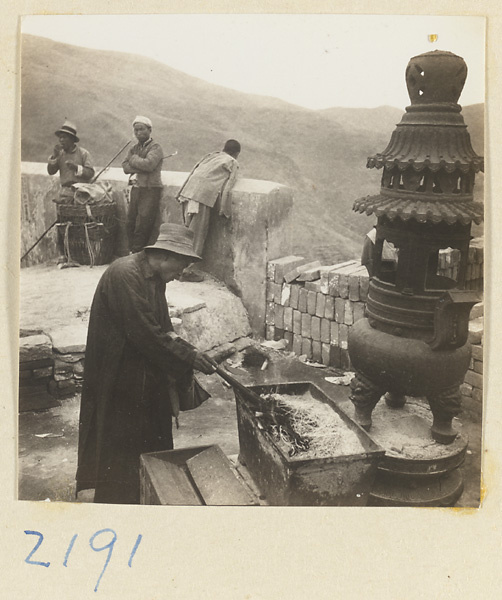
column 208, row 185
column 144, row 160
column 73, row 162
column 138, row 372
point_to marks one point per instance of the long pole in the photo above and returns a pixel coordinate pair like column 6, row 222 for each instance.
column 104, row 168
column 42, row 236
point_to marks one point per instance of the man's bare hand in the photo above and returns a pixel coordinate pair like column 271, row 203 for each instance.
column 57, row 150
column 203, row 363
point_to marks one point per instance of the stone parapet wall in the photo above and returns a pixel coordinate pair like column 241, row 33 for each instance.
column 237, row 250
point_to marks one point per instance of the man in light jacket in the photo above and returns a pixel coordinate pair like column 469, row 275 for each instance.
column 144, row 160
column 208, row 186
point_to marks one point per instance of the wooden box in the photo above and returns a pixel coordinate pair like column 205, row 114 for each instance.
column 196, row 476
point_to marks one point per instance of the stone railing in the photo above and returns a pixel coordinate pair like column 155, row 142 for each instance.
column 237, row 249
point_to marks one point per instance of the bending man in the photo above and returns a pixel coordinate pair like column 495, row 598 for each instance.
column 138, row 372
column 209, row 183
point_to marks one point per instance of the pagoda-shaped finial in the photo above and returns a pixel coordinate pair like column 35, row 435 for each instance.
column 437, row 76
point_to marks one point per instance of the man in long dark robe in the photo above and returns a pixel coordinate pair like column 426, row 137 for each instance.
column 137, row 371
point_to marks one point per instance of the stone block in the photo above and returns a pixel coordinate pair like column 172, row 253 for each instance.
column 306, row 325
column 288, row 336
column 343, row 336
column 329, row 308
column 270, row 313
column 343, row 285
column 364, row 284
column 277, row 293
column 294, row 294
column 270, row 291
column 66, row 387
column 335, row 334
column 297, row 344
column 78, row 368
column 34, row 347
column 348, row 318
column 70, row 358
column 294, row 273
column 42, row 373
column 325, row 331
column 285, row 294
column 476, row 331
column 354, row 287
column 310, row 272
column 339, row 310
column 477, row 395
column 474, row 379
column 269, row 332
column 276, row 269
column 279, row 316
column 325, row 354
column 69, row 339
column 315, row 328
column 320, row 305
column 478, row 366
column 26, row 376
column 345, row 359
column 358, row 308
column 326, row 277
column 477, row 352
column 278, row 334
column 477, row 311
column 316, row 351
column 311, row 302
column 307, row 347
column 466, row 390
column 288, row 319
column 334, row 356
column 297, row 321
column 63, row 376
column 302, row 300
column 313, row 286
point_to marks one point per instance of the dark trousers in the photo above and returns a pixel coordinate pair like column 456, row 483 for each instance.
column 142, row 217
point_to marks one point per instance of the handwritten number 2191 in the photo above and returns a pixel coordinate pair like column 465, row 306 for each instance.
column 93, row 543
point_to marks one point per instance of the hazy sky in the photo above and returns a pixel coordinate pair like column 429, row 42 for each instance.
column 316, row 61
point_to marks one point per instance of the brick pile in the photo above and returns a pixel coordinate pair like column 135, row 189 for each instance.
column 473, row 381
column 312, row 306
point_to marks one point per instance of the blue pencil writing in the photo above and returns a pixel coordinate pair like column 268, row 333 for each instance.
column 37, row 545
column 138, row 541
column 108, row 547
column 70, row 547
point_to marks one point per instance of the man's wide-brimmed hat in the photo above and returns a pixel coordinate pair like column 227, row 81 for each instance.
column 68, row 128
column 176, row 238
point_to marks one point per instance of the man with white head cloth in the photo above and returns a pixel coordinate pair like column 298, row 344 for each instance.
column 144, row 160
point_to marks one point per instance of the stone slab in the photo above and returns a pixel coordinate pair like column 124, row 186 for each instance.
column 69, row 339
column 34, row 348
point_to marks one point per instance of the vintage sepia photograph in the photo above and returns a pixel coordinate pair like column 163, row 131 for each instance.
column 251, row 260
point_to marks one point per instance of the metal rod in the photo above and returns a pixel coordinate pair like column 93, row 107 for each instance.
column 104, row 168
column 43, row 235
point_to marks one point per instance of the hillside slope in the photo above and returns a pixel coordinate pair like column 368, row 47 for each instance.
column 320, row 154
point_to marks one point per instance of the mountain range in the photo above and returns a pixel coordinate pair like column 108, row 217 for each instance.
column 321, row 154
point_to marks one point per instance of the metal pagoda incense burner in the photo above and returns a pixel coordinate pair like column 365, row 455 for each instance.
column 413, row 340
